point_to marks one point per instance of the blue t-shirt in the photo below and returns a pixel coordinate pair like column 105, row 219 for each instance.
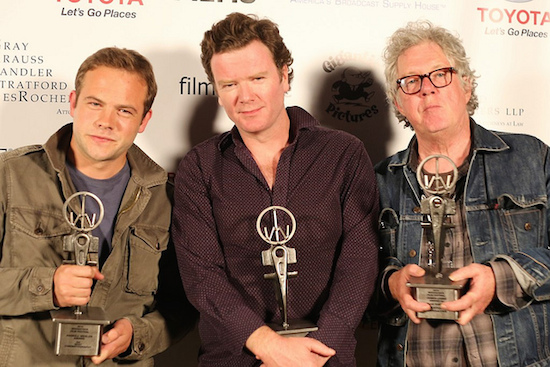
column 110, row 193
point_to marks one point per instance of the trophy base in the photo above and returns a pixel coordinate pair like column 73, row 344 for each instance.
column 435, row 289
column 78, row 334
column 296, row 328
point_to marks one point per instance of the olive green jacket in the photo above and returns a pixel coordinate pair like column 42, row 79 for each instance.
column 34, row 184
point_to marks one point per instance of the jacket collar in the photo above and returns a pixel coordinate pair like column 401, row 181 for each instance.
column 483, row 140
column 145, row 171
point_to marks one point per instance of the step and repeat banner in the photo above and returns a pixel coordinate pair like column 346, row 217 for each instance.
column 335, row 43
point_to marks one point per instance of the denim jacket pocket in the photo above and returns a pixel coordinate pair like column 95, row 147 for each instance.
column 145, row 246
column 522, row 221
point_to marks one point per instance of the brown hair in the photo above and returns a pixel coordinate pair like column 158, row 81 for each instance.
column 120, row 58
column 237, row 31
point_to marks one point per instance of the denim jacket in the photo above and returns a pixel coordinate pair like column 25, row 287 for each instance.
column 34, row 184
column 507, row 219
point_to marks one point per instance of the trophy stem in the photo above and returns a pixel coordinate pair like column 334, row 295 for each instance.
column 77, row 310
column 281, row 267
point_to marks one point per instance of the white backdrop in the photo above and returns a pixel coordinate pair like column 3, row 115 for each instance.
column 42, row 43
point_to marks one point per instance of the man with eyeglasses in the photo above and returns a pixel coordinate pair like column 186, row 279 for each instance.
column 500, row 228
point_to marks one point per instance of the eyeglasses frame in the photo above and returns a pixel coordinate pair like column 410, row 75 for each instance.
column 427, row 75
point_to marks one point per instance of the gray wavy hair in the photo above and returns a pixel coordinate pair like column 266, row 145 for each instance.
column 415, row 33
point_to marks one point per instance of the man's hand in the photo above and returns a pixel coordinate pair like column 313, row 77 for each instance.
column 115, row 341
column 480, row 294
column 403, row 294
column 72, row 284
column 275, row 350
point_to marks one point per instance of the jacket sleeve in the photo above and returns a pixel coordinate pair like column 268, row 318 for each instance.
column 356, row 268
column 201, row 260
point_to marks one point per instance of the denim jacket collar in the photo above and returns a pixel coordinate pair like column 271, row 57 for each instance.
column 483, row 140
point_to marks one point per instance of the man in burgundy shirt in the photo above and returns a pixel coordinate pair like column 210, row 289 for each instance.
column 273, row 156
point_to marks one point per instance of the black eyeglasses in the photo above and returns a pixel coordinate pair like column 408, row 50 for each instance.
column 440, row 78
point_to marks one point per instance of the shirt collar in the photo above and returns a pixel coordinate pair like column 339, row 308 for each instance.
column 299, row 120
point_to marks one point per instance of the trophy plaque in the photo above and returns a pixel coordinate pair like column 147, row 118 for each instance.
column 78, row 330
column 279, row 256
column 435, row 287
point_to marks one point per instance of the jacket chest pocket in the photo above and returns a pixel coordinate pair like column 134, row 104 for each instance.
column 145, row 247
column 37, row 236
column 523, row 222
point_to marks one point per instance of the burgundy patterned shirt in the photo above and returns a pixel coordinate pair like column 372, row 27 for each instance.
column 325, row 178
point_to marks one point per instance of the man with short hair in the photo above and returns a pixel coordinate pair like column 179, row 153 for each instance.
column 136, row 283
column 272, row 157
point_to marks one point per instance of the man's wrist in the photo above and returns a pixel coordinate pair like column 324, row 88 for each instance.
column 259, row 341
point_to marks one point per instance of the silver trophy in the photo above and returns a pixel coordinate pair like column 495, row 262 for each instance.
column 435, row 287
column 78, row 330
column 280, row 256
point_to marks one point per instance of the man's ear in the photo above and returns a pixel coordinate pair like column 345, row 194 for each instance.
column 145, row 121
column 72, row 102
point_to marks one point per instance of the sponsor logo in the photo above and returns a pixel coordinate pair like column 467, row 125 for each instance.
column 413, row 5
column 514, row 16
column 25, row 77
column 227, row 1
column 503, row 117
column 98, row 13
column 105, row 2
column 514, row 22
column 191, row 86
column 102, row 12
column 351, row 98
column 318, row 2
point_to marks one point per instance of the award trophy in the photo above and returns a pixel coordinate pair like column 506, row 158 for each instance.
column 435, row 287
column 279, row 256
column 78, row 329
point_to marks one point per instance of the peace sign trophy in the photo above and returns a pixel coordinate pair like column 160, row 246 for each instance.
column 435, row 287
column 279, row 256
column 78, row 330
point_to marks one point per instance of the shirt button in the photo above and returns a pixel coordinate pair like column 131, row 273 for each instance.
column 38, row 231
column 416, row 209
column 412, row 253
column 400, row 347
column 40, row 288
column 141, row 347
column 528, row 226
